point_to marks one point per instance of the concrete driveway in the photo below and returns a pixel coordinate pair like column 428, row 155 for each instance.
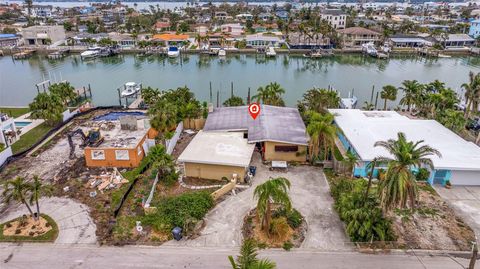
column 466, row 203
column 73, row 219
column 310, row 195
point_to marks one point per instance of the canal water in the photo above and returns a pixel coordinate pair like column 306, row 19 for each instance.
column 295, row 73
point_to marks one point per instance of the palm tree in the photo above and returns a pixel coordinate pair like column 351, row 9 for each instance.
column 322, row 134
column 163, row 116
column 368, row 106
column 16, row 190
column 248, row 258
column 38, row 190
column 350, row 160
column 48, row 107
column 399, row 184
column 472, row 93
column 64, row 91
column 453, row 119
column 411, row 89
column 270, row 95
column 388, row 92
column 273, row 190
column 319, row 100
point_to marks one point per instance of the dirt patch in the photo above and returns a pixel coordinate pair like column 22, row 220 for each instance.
column 291, row 236
column 191, row 181
column 27, row 226
column 434, row 225
column 182, row 143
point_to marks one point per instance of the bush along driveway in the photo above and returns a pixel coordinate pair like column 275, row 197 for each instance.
column 310, row 195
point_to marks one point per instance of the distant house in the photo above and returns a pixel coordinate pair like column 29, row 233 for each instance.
column 261, row 41
column 234, row 29
column 123, row 40
column 170, row 39
column 259, row 28
column 9, row 40
column 407, row 41
column 264, row 16
column 221, row 15
column 244, row 16
column 282, row 14
column 278, row 131
column 456, row 41
column 161, row 26
column 201, row 29
column 43, row 35
column 356, row 36
column 335, row 17
column 474, row 29
column 40, row 11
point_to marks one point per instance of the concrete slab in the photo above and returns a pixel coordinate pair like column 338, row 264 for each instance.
column 73, row 219
column 310, row 195
column 466, row 203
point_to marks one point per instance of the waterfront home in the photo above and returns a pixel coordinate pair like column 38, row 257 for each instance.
column 170, row 39
column 403, row 41
column 43, row 35
column 9, row 40
column 263, row 40
column 219, row 40
column 335, row 17
column 474, row 30
column 455, row 41
column 357, row 36
column 278, row 131
column 161, row 26
column 359, row 130
column 123, row 40
column 229, row 153
column 234, row 29
column 39, row 11
column 300, row 40
column 86, row 39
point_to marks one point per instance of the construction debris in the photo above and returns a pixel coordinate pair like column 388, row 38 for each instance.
column 106, row 180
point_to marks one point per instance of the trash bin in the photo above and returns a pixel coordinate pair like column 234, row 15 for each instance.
column 177, row 233
column 252, row 169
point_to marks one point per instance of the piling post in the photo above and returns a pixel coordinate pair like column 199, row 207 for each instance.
column 218, row 98
column 371, row 96
column 231, row 89
column 119, row 97
column 90, row 90
column 376, row 101
column 248, row 96
column 84, row 93
column 211, row 97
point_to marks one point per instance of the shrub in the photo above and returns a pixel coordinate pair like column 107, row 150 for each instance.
column 18, row 231
column 422, row 174
column 31, row 233
column 279, row 227
column 294, row 218
column 177, row 211
column 287, row 245
column 8, row 225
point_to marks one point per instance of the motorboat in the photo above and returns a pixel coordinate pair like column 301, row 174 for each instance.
column 91, row 52
column 271, row 52
column 222, row 52
column 313, row 54
column 173, row 52
column 130, row 88
column 369, row 48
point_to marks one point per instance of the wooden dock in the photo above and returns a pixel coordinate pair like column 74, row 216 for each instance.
column 427, row 52
column 58, row 54
column 23, row 54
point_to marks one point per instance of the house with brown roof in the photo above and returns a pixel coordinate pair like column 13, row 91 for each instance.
column 356, row 36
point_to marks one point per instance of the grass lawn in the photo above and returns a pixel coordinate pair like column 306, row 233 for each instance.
column 30, row 138
column 14, row 111
column 50, row 236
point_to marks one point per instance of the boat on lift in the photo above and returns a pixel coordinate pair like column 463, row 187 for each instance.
column 222, row 52
column 130, row 88
column 91, row 52
column 369, row 48
column 173, row 52
column 270, row 52
column 313, row 54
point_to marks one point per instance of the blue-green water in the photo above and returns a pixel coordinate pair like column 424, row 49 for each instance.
column 295, row 73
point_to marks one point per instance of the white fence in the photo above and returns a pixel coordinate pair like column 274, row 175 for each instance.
column 170, row 143
column 67, row 114
column 5, row 154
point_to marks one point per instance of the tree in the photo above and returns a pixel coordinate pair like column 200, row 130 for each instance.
column 64, row 91
column 248, row 258
column 399, row 184
column 38, row 190
column 472, row 93
column 17, row 190
column 163, row 116
column 273, row 190
column 322, row 134
column 452, row 119
column 150, row 95
column 48, row 107
column 319, row 100
column 270, row 94
column 388, row 92
column 234, row 101
column 411, row 89
column 350, row 160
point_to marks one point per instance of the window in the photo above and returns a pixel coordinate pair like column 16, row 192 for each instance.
column 122, row 155
column 98, row 154
column 286, row 148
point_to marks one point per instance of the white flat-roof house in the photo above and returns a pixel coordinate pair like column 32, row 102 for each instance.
column 337, row 18
column 460, row 160
column 43, row 35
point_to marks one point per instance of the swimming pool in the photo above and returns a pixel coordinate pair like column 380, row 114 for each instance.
column 21, row 124
column 116, row 115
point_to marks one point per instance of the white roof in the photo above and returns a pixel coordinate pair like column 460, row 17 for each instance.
column 221, row 148
column 364, row 128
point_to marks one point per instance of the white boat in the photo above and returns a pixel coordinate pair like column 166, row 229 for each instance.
column 369, row 48
column 313, row 54
column 271, row 52
column 222, row 52
column 130, row 88
column 173, row 52
column 91, row 52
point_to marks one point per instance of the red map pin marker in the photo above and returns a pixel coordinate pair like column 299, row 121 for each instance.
column 254, row 110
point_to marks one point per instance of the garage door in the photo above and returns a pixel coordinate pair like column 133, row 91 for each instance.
column 465, row 178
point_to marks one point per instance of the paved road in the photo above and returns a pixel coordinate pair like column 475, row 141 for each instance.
column 466, row 203
column 310, row 195
column 73, row 219
column 57, row 256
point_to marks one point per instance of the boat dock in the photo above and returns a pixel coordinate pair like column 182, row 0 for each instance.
column 58, row 54
column 131, row 101
column 23, row 54
column 427, row 52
